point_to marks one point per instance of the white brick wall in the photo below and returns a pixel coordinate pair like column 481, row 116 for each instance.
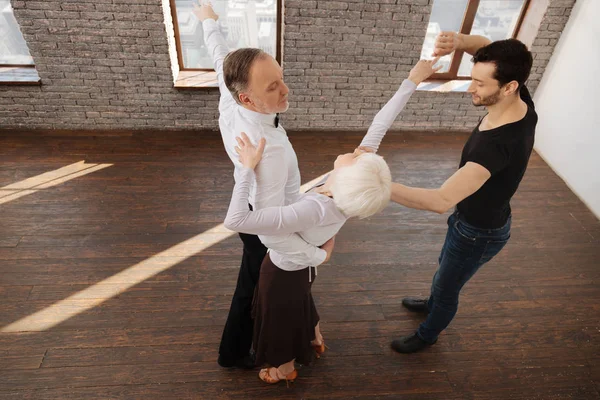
column 105, row 64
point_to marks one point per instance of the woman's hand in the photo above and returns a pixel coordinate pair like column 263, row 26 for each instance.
column 328, row 247
column 249, row 155
column 423, row 70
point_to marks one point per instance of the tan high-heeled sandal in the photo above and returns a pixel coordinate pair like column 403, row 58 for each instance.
column 266, row 377
column 319, row 348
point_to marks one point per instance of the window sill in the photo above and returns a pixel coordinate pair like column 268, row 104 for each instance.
column 196, row 79
column 459, row 86
column 19, row 76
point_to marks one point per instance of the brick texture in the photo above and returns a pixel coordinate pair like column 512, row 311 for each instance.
column 105, row 64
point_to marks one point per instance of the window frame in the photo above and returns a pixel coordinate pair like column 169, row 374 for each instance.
column 17, row 65
column 278, row 45
column 8, row 67
column 466, row 26
column 29, row 82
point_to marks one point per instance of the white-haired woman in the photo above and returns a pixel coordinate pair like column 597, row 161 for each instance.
column 286, row 322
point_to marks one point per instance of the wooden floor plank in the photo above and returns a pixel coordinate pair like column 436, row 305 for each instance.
column 14, row 294
column 21, row 358
column 357, row 293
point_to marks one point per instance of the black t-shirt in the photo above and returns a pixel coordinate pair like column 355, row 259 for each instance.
column 504, row 151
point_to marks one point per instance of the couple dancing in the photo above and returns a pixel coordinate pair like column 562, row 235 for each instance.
column 299, row 229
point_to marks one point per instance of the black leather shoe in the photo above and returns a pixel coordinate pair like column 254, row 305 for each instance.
column 242, row 363
column 416, row 305
column 410, row 344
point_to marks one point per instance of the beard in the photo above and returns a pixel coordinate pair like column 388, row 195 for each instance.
column 487, row 101
column 265, row 109
column 285, row 107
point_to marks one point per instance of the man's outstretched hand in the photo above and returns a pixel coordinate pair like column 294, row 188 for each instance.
column 446, row 43
column 205, row 11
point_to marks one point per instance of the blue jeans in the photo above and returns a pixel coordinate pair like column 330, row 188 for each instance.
column 465, row 250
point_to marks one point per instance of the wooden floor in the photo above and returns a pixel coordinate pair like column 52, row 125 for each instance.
column 528, row 326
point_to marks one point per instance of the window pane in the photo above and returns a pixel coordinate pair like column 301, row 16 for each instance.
column 446, row 15
column 13, row 49
column 244, row 23
column 496, row 20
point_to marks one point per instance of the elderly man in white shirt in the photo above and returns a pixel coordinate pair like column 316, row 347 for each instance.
column 252, row 94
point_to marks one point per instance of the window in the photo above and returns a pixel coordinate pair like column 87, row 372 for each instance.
column 16, row 64
column 494, row 19
column 244, row 23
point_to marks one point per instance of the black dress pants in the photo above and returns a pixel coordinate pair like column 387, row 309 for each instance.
column 237, row 335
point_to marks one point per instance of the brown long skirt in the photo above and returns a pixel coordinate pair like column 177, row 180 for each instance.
column 284, row 315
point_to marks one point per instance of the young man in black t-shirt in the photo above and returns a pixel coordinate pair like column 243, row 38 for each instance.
column 492, row 165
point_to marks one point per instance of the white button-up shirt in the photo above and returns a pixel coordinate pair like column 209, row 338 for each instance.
column 277, row 180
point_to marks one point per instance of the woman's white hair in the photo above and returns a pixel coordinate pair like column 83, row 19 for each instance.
column 363, row 188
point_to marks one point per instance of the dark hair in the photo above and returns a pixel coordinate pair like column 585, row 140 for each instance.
column 236, row 69
column 512, row 59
